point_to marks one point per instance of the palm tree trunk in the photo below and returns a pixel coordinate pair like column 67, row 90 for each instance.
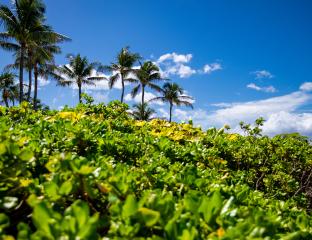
column 21, row 77
column 36, row 86
column 170, row 112
column 79, row 89
column 6, row 102
column 143, row 92
column 29, row 83
column 5, row 99
column 123, row 89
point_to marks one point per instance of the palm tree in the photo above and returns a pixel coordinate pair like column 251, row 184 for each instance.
column 22, row 23
column 174, row 95
column 147, row 75
column 41, row 61
column 44, row 66
column 142, row 112
column 78, row 72
column 8, row 87
column 122, row 69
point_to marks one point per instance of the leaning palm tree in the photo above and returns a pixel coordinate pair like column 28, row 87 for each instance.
column 174, row 95
column 122, row 69
column 78, row 72
column 147, row 75
column 8, row 87
column 21, row 23
column 142, row 112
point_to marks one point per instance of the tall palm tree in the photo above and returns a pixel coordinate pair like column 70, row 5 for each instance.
column 142, row 112
column 41, row 61
column 122, row 69
column 44, row 66
column 78, row 72
column 8, row 87
column 22, row 23
column 147, row 75
column 174, row 95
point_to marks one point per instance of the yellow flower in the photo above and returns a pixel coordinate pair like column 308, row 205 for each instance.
column 25, row 182
column 232, row 137
column 220, row 232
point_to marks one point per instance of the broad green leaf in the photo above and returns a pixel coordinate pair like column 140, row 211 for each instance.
column 26, row 155
column 211, row 207
column 42, row 218
column 4, row 222
column 149, row 216
column 2, row 148
column 130, row 206
column 66, row 187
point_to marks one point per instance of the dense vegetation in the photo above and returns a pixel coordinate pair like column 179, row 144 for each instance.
column 92, row 172
column 100, row 172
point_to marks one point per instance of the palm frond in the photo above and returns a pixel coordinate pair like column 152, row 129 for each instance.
column 184, row 103
column 112, row 80
column 135, row 90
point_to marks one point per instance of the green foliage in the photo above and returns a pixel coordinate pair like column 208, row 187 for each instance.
column 92, row 172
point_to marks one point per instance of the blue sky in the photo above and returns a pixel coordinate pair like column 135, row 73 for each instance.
column 239, row 59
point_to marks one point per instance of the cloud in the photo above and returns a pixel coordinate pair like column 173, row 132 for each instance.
column 281, row 114
column 100, row 97
column 43, row 82
column 147, row 96
column 163, row 113
column 176, row 58
column 307, row 87
column 209, row 68
column 181, row 70
column 268, row 89
column 260, row 74
column 173, row 64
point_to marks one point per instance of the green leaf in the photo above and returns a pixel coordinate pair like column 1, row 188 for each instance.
column 211, row 207
column 3, row 149
column 189, row 234
column 4, row 222
column 66, row 188
column 130, row 206
column 42, row 218
column 85, row 170
column 80, row 210
column 149, row 216
column 51, row 190
column 26, row 155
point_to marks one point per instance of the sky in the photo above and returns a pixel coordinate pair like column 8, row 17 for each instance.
column 240, row 60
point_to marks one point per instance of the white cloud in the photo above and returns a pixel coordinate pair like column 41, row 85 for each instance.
column 147, row 96
column 260, row 74
column 171, row 64
column 176, row 58
column 209, row 68
column 100, row 97
column 181, row 70
column 163, row 113
column 307, row 86
column 281, row 114
column 185, row 71
column 268, row 89
column 43, row 82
